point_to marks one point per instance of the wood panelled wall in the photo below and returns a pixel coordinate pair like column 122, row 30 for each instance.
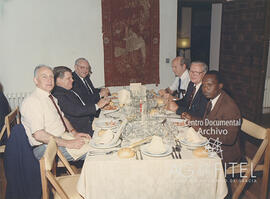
column 243, row 53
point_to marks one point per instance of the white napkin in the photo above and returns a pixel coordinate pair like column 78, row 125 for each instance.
column 156, row 146
column 193, row 137
column 135, row 88
column 105, row 138
column 76, row 153
column 124, row 97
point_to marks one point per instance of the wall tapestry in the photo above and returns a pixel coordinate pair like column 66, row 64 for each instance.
column 131, row 41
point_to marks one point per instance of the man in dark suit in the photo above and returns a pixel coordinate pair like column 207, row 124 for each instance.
column 4, row 110
column 194, row 102
column 83, row 85
column 222, row 118
column 79, row 113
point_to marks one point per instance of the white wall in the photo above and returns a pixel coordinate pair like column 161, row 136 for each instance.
column 56, row 32
column 216, row 16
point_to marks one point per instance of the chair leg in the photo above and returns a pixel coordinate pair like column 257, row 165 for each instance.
column 3, row 181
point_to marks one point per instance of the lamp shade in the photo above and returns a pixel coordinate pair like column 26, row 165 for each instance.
column 183, row 42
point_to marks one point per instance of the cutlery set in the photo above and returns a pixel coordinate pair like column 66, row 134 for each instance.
column 176, row 150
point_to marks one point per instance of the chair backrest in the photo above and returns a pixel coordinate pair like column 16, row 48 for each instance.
column 47, row 163
column 11, row 119
column 257, row 132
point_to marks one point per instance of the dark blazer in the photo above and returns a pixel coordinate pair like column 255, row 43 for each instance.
column 79, row 115
column 80, row 88
column 21, row 167
column 225, row 109
column 198, row 104
column 4, row 110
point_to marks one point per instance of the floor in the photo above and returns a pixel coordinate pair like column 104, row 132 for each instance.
column 254, row 188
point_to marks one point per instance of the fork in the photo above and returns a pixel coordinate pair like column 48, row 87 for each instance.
column 140, row 154
column 178, row 148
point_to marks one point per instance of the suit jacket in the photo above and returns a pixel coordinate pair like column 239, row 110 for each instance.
column 21, row 167
column 79, row 115
column 80, row 88
column 4, row 110
column 225, row 109
column 198, row 103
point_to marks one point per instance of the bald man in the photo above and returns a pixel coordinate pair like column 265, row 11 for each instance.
column 180, row 84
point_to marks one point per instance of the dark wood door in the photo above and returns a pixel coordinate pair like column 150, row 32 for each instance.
column 243, row 53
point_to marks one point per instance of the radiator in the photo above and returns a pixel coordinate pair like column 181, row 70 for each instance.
column 15, row 99
column 266, row 100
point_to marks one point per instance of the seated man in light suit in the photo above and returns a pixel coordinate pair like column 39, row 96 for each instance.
column 194, row 102
column 79, row 114
column 83, row 85
column 42, row 118
column 180, row 84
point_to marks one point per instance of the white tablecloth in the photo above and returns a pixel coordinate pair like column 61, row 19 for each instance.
column 110, row 177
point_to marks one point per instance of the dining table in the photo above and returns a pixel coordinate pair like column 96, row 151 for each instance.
column 175, row 173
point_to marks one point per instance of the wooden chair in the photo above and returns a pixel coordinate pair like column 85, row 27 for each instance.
column 10, row 120
column 64, row 186
column 263, row 134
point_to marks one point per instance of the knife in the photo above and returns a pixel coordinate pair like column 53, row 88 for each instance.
column 93, row 153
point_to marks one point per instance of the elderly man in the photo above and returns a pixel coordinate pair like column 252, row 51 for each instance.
column 83, row 85
column 42, row 117
column 222, row 118
column 79, row 113
column 194, row 102
column 180, row 84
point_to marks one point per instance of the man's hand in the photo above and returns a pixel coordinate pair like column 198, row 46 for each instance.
column 169, row 97
column 186, row 116
column 104, row 92
column 172, row 106
column 102, row 102
column 161, row 92
column 75, row 144
column 82, row 135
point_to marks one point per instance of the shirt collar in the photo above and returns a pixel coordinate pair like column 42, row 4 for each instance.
column 214, row 101
column 42, row 92
column 184, row 75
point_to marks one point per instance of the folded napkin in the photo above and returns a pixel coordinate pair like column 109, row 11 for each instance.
column 156, row 146
column 76, row 153
column 105, row 138
column 124, row 97
column 194, row 137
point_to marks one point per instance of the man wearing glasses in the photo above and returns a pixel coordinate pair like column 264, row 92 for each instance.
column 194, row 102
column 83, row 85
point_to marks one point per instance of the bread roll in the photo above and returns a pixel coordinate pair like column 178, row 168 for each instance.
column 125, row 153
column 101, row 132
column 200, row 152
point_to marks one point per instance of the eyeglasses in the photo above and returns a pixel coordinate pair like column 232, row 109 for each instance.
column 195, row 72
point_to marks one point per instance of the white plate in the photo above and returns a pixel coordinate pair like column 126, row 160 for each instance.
column 185, row 142
column 106, row 123
column 193, row 146
column 109, row 111
column 148, row 153
column 103, row 146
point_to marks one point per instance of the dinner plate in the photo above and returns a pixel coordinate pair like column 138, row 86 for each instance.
column 192, row 146
column 103, row 146
column 106, row 123
column 145, row 151
column 109, row 111
column 177, row 122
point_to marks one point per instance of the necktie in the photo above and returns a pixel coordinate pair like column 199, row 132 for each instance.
column 87, row 86
column 179, row 88
column 191, row 96
column 58, row 111
column 208, row 109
